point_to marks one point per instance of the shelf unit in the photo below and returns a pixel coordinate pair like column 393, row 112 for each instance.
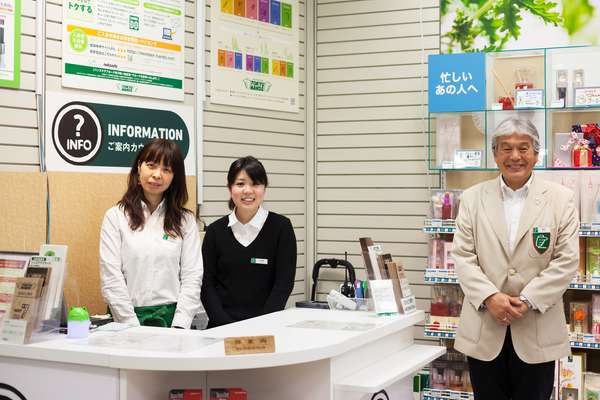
column 460, row 141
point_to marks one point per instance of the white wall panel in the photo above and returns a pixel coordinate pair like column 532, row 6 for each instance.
column 372, row 177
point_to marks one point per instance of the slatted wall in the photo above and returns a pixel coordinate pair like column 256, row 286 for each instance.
column 276, row 138
column 372, row 177
column 18, row 118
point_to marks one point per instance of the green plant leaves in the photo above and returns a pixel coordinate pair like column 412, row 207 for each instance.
column 576, row 14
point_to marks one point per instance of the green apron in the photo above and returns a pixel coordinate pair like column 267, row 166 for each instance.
column 161, row 316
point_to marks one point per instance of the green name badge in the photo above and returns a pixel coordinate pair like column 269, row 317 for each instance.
column 541, row 239
column 262, row 261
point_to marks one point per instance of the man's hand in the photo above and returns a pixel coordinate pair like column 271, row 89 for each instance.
column 518, row 304
column 501, row 308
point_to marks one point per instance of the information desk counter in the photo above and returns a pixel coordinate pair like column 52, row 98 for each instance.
column 320, row 354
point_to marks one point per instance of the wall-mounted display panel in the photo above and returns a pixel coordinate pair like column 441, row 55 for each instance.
column 10, row 43
column 255, row 54
column 132, row 47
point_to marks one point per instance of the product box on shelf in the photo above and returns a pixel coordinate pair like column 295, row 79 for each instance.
column 571, row 377
column 591, row 386
column 580, row 317
column 446, row 304
column 569, row 179
column 228, row 394
column 185, row 394
column 444, row 204
column 593, row 259
column 440, row 253
column 590, row 197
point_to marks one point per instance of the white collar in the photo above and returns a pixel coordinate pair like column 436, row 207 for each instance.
column 522, row 191
column 257, row 221
column 160, row 206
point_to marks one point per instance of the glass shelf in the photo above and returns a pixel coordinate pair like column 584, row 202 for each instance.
column 506, row 71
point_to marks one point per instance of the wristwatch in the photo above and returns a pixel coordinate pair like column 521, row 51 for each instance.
column 526, row 301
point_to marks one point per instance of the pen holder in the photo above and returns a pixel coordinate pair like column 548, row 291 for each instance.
column 78, row 323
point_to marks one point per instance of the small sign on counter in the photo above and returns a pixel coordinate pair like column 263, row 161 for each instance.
column 249, row 345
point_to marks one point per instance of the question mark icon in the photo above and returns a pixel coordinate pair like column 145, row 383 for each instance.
column 80, row 120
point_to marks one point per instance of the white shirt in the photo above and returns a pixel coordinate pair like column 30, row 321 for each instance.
column 147, row 267
column 246, row 233
column 513, row 201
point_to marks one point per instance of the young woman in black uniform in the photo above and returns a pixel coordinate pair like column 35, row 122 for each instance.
column 249, row 255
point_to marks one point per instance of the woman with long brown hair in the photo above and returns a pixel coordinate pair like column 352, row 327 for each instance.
column 150, row 258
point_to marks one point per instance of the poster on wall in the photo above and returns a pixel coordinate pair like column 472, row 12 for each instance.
column 10, row 43
column 255, row 54
column 130, row 47
column 507, row 25
column 91, row 134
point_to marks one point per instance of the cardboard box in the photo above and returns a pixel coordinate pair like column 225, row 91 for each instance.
column 29, row 287
column 228, row 394
column 185, row 394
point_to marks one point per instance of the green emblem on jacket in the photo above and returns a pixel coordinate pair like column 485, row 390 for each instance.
column 541, row 240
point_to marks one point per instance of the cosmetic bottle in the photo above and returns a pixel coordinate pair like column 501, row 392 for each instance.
column 436, row 205
column 446, row 207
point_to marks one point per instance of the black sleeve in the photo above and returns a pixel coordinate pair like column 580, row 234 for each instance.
column 208, row 294
column 285, row 269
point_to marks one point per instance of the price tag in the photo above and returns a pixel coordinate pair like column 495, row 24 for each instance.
column 13, row 331
column 249, row 345
column 467, row 158
column 409, row 304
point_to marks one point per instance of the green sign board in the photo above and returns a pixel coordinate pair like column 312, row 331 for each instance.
column 92, row 134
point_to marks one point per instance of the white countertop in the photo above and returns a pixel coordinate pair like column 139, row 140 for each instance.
column 294, row 345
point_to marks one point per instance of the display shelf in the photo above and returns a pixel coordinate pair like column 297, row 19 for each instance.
column 386, row 371
column 434, row 275
column 444, row 334
column 584, row 341
column 584, row 286
column 444, row 394
column 553, row 72
column 432, row 225
column 589, row 230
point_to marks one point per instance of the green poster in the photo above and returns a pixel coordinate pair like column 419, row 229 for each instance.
column 10, row 43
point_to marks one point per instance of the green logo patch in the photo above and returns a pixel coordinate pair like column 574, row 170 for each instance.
column 541, row 240
column 257, row 85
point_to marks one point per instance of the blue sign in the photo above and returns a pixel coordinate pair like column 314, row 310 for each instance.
column 456, row 82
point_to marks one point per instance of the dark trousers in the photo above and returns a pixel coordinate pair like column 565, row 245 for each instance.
column 508, row 378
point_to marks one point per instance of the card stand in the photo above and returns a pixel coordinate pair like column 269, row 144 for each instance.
column 32, row 319
column 437, row 394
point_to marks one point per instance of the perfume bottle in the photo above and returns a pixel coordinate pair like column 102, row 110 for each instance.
column 561, row 85
column 447, row 207
column 440, row 306
column 455, row 381
column 577, row 78
column 436, row 205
